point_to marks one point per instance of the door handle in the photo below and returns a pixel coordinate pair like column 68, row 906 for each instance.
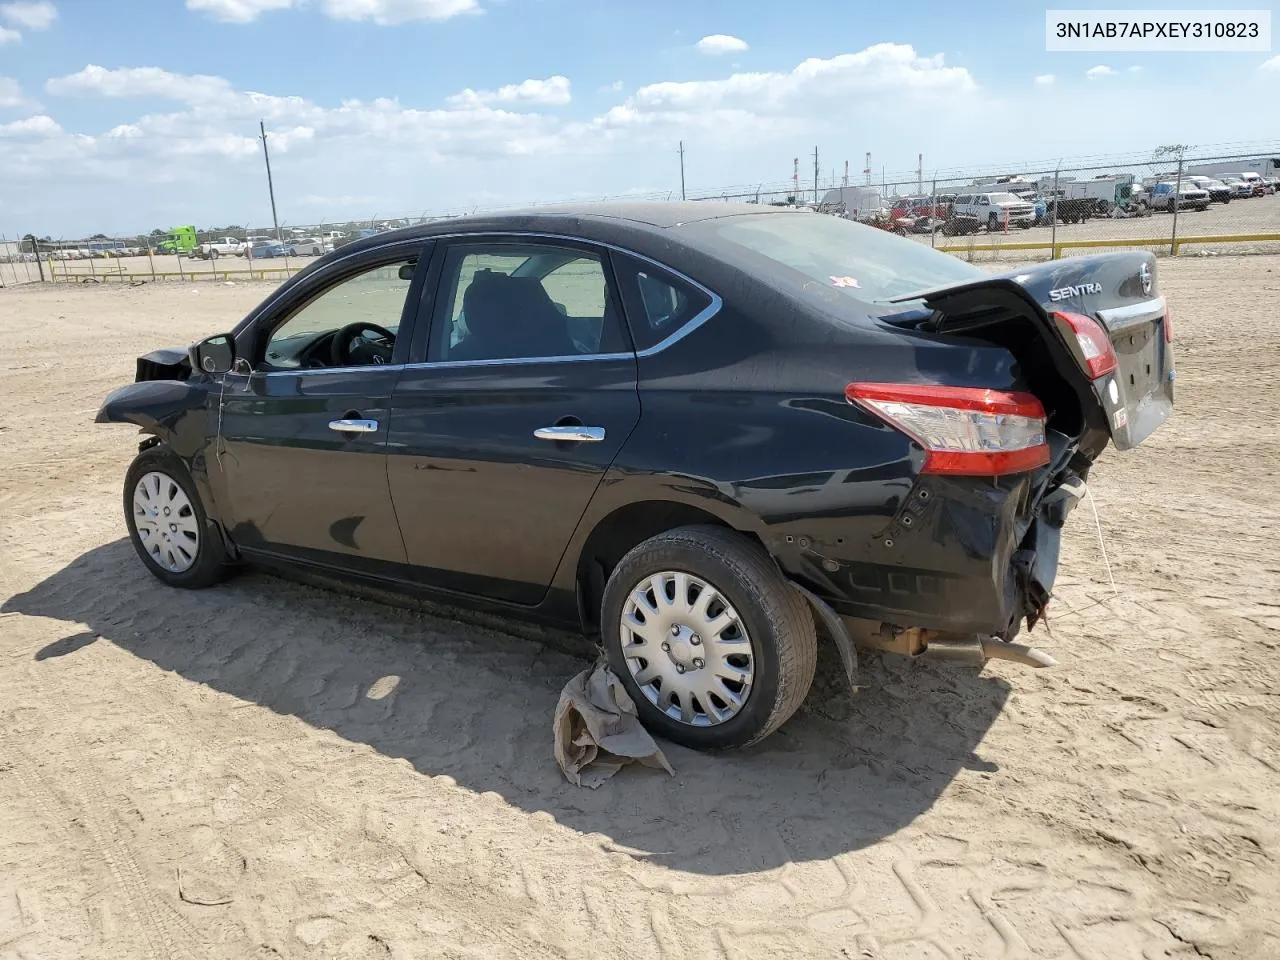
column 573, row 434
column 354, row 426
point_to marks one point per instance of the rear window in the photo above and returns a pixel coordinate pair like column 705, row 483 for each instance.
column 864, row 262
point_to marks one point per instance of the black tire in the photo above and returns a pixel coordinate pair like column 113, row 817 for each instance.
column 211, row 563
column 993, row 223
column 213, row 254
column 776, row 616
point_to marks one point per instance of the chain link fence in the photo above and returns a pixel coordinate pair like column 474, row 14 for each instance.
column 1170, row 203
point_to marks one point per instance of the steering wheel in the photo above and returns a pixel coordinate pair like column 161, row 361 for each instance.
column 351, row 348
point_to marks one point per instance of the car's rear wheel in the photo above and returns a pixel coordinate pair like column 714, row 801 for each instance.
column 168, row 525
column 711, row 642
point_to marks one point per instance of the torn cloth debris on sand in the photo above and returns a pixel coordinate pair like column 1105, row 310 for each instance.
column 597, row 731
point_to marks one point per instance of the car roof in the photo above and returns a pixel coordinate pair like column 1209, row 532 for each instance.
column 600, row 221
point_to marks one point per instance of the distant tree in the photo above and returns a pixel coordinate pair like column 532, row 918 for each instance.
column 99, row 236
column 157, row 232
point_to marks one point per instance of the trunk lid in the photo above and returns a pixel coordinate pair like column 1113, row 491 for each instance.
column 1116, row 291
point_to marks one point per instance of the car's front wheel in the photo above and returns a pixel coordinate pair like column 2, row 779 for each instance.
column 167, row 523
column 714, row 646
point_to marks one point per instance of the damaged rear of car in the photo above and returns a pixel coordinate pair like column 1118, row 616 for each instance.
column 1003, row 391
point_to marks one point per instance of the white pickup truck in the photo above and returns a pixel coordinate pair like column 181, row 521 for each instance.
column 995, row 210
column 226, row 247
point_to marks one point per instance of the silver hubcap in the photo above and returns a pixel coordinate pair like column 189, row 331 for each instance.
column 687, row 649
column 166, row 522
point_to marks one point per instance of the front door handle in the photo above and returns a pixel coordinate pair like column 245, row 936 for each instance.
column 573, row 434
column 354, row 426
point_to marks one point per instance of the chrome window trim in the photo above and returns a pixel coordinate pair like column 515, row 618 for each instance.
column 690, row 325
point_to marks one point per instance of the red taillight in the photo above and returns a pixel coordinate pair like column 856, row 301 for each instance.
column 965, row 431
column 1099, row 354
column 1168, row 325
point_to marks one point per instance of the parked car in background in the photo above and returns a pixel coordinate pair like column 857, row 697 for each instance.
column 1257, row 186
column 994, row 210
column 1184, row 196
column 266, row 249
column 1241, row 189
column 1218, row 191
column 482, row 412
column 1273, row 183
column 309, row 247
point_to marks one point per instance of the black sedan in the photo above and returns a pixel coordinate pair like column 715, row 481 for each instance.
column 707, row 434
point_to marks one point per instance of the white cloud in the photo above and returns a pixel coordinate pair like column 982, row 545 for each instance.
column 11, row 93
column 1135, row 69
column 758, row 105
column 147, row 82
column 1045, row 80
column 391, row 12
column 187, row 150
column 720, row 43
column 1101, row 70
column 616, row 87
column 1270, row 66
column 553, row 91
column 9, row 36
column 39, row 125
column 238, row 11
column 34, row 16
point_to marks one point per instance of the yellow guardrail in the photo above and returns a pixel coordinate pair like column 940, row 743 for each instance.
column 267, row 273
column 1061, row 245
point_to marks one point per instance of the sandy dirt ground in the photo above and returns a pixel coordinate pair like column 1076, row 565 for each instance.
column 267, row 770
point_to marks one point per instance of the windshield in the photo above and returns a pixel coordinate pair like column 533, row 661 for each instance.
column 1005, row 198
column 864, row 262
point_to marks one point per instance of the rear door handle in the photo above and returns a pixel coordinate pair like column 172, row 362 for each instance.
column 354, row 426
column 573, row 434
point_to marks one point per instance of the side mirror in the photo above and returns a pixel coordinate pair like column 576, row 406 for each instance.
column 214, row 354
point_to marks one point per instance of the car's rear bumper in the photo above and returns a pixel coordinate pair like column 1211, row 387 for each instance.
column 960, row 555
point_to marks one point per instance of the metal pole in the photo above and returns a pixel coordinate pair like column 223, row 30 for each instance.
column 35, row 248
column 151, row 260
column 1053, row 238
column 682, row 196
column 815, row 174
column 270, row 186
column 1177, row 202
column 933, row 213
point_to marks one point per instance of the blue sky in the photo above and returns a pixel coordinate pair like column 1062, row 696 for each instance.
column 125, row 115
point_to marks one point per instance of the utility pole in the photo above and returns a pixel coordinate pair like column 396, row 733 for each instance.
column 919, row 173
column 815, row 174
column 270, row 186
column 682, row 170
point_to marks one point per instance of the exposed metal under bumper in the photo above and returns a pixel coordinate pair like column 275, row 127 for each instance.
column 981, row 649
